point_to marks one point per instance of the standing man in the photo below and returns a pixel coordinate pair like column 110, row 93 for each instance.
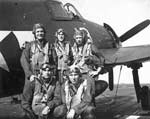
column 87, row 59
column 37, row 52
column 63, row 51
column 43, row 96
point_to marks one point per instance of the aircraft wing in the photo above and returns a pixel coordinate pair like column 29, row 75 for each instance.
column 126, row 55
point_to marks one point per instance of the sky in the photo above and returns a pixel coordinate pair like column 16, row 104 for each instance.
column 121, row 15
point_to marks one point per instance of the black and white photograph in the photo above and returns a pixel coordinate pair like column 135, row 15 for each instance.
column 74, row 59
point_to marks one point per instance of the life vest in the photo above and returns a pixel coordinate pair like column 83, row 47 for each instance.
column 85, row 51
column 63, row 54
column 80, row 55
column 42, row 94
column 38, row 55
column 76, row 99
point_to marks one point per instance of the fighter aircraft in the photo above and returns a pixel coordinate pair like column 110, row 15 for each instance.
column 18, row 17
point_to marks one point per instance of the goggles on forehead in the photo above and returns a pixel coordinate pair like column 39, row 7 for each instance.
column 47, row 66
column 46, row 69
column 74, row 70
column 61, row 33
column 52, row 71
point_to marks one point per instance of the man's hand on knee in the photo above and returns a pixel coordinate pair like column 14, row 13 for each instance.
column 46, row 110
column 71, row 114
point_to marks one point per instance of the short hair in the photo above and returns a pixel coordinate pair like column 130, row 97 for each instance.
column 36, row 26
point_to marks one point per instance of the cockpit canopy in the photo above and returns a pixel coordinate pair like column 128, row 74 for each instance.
column 63, row 12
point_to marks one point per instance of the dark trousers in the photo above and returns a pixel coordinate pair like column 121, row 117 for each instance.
column 60, row 112
column 100, row 87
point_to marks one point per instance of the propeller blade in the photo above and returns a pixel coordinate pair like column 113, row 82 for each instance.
column 134, row 30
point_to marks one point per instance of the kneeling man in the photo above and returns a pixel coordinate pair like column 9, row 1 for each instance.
column 42, row 96
column 77, row 96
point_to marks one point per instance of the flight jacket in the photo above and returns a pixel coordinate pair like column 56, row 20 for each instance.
column 27, row 103
column 33, row 56
column 81, row 100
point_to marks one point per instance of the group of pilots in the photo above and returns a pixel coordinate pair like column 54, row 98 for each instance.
column 60, row 78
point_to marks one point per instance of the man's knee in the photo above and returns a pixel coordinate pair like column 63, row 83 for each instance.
column 60, row 111
column 89, row 113
column 100, row 87
column 90, row 109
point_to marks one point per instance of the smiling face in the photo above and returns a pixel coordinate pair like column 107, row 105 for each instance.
column 39, row 34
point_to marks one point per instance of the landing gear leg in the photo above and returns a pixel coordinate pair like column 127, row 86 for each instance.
column 137, row 86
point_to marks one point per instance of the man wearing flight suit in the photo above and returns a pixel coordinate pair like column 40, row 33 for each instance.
column 87, row 58
column 36, row 53
column 63, row 51
column 77, row 97
column 41, row 98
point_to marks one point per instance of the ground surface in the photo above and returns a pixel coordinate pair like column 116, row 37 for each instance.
column 109, row 105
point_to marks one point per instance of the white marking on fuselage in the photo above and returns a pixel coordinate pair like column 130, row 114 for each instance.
column 22, row 36
column 3, row 34
column 3, row 63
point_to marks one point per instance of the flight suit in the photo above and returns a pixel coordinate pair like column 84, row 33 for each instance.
column 36, row 97
column 65, row 57
column 32, row 58
column 81, row 100
column 34, row 55
column 88, row 59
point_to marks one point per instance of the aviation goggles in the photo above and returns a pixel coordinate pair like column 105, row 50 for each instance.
column 60, row 32
column 48, row 67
